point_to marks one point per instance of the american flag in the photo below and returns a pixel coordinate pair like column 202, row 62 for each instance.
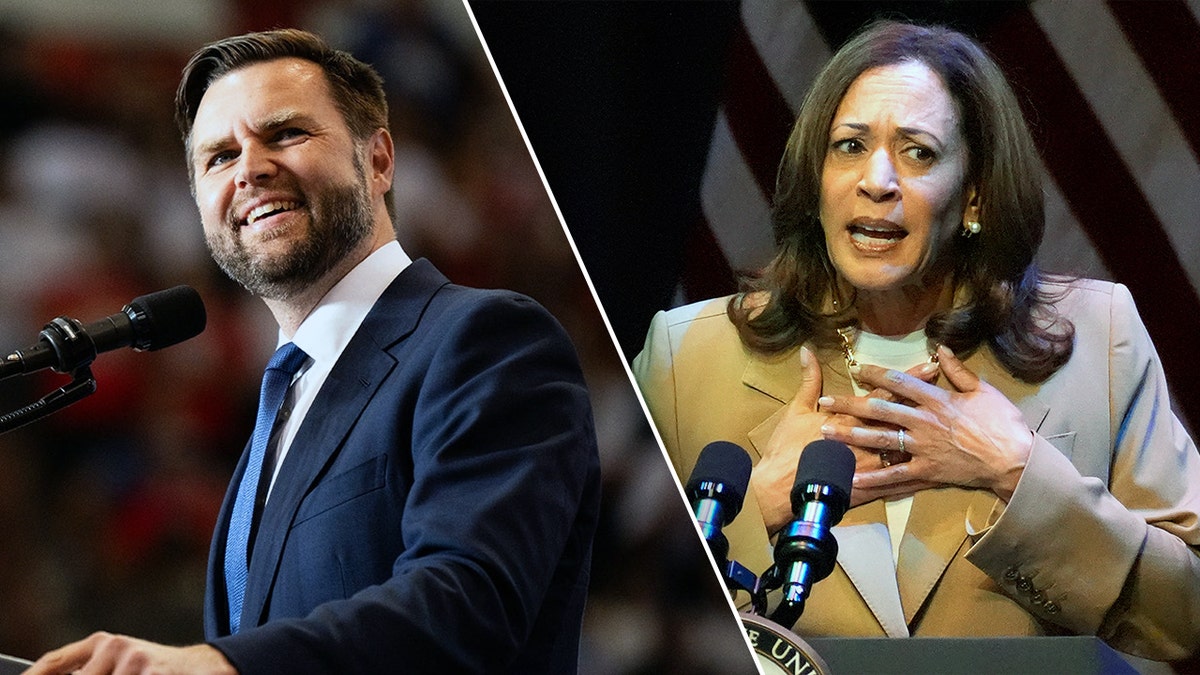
column 1111, row 90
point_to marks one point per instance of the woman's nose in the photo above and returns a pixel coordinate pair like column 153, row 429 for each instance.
column 878, row 182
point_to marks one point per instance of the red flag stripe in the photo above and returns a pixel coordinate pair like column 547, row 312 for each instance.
column 706, row 273
column 758, row 114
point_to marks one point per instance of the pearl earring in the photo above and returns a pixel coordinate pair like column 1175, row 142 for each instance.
column 971, row 228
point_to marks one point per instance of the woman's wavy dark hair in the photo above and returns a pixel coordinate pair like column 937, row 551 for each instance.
column 998, row 299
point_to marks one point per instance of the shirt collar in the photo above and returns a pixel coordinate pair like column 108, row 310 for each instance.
column 327, row 330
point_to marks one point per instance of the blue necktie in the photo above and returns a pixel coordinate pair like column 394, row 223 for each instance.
column 276, row 380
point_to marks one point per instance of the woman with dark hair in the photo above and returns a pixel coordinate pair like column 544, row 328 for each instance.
column 1018, row 467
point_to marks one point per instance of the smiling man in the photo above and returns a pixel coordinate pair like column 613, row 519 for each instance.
column 424, row 498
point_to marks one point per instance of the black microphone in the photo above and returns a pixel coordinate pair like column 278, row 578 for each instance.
column 806, row 549
column 147, row 323
column 716, row 489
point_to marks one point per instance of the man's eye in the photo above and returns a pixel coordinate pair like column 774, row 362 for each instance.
column 220, row 158
column 286, row 134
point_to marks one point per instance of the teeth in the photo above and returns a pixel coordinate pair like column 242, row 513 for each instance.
column 260, row 211
column 873, row 237
column 878, row 232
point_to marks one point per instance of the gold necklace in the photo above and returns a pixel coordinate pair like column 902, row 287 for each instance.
column 887, row 457
column 849, row 337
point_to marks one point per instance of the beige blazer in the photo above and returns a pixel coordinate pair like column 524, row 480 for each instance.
column 1100, row 536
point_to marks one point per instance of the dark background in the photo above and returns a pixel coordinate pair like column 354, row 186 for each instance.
column 619, row 100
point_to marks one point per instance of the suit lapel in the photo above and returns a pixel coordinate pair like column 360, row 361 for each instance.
column 216, row 601
column 357, row 375
column 341, row 401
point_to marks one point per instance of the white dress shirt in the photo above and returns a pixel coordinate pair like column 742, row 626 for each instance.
column 324, row 334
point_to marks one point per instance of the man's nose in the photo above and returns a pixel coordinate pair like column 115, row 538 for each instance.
column 256, row 164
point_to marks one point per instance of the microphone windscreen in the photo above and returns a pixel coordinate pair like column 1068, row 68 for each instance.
column 167, row 317
column 727, row 464
column 825, row 462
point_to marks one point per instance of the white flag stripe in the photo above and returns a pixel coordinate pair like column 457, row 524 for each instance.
column 788, row 43
column 1194, row 5
column 1140, row 126
column 735, row 207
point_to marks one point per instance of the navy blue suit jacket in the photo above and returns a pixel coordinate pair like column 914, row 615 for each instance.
column 436, row 509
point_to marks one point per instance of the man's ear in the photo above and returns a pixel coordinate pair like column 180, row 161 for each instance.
column 383, row 161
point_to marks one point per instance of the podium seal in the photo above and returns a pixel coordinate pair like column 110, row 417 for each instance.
column 779, row 650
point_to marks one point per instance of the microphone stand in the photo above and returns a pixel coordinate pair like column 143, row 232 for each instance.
column 739, row 578
column 75, row 352
column 790, row 606
column 82, row 385
column 804, row 554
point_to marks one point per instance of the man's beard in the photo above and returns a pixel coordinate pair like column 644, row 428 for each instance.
column 340, row 218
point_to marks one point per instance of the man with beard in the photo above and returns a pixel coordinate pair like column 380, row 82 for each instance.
column 427, row 496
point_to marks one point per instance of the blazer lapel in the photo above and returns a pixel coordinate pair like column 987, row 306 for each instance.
column 936, row 528
column 865, row 554
column 357, row 375
column 935, row 531
column 780, row 378
column 1022, row 394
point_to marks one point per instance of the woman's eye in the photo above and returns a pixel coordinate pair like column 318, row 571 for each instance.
column 849, row 146
column 921, row 154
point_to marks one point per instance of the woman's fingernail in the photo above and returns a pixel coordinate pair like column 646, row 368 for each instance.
column 827, row 429
column 928, row 369
column 855, row 369
column 805, row 356
column 825, row 401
